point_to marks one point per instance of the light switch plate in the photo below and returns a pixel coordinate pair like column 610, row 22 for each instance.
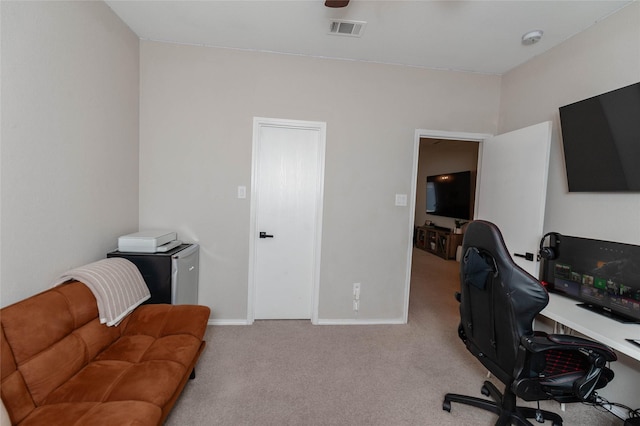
column 242, row 192
column 401, row 200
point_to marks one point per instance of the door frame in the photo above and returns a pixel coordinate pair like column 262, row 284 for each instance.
column 321, row 128
column 431, row 134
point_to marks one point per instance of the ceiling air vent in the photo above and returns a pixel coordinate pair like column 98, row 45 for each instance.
column 346, row 28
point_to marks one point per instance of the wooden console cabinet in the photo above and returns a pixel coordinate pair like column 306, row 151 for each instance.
column 439, row 241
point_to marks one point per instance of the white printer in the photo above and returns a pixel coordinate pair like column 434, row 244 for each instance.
column 148, row 241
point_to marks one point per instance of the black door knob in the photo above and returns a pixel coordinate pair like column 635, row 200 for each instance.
column 265, row 235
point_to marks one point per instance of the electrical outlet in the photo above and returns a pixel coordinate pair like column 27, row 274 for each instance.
column 356, row 305
column 356, row 291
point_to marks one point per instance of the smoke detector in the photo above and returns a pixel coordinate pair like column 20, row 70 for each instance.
column 346, row 28
column 532, row 37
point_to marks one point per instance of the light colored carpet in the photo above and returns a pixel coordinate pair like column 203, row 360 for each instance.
column 295, row 373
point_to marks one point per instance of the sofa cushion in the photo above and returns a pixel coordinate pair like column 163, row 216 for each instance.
column 67, row 355
column 127, row 348
column 96, row 337
column 180, row 348
column 146, row 364
column 58, row 328
column 165, row 320
column 153, row 381
column 45, row 319
column 16, row 396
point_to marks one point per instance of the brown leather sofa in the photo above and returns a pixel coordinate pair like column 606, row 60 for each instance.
column 60, row 366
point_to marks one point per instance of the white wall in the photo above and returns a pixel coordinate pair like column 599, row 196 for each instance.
column 69, row 139
column 603, row 58
column 197, row 106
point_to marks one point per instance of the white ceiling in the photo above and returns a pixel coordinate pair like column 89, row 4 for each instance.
column 478, row 35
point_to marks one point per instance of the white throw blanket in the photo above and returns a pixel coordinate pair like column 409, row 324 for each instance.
column 116, row 284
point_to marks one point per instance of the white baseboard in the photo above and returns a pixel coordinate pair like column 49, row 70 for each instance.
column 352, row 321
column 228, row 322
column 347, row 321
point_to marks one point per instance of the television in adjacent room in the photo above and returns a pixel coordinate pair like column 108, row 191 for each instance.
column 450, row 195
column 603, row 275
column 601, row 140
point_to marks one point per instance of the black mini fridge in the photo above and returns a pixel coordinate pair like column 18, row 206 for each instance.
column 172, row 276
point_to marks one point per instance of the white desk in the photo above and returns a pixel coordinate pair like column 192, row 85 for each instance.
column 598, row 327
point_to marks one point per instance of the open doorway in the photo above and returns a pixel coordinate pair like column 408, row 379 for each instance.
column 445, row 187
column 510, row 190
column 443, row 158
column 429, row 139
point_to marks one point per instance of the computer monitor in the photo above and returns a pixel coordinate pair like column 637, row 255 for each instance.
column 603, row 275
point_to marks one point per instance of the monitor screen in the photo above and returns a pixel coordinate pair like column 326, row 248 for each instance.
column 603, row 274
column 601, row 140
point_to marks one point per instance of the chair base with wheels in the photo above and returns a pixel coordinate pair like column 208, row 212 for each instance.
column 504, row 405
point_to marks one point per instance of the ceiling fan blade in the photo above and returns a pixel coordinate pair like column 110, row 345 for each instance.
column 336, row 3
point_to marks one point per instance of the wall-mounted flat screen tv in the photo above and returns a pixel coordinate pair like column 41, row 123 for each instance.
column 601, row 140
column 450, row 195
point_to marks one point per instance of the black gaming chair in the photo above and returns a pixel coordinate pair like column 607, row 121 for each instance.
column 498, row 302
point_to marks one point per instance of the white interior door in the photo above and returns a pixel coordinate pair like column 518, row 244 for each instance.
column 287, row 211
column 512, row 188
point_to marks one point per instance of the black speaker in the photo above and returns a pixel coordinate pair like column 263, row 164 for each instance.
column 550, row 252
